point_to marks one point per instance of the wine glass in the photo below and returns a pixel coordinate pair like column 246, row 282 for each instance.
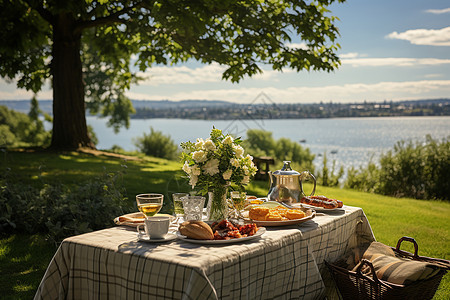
column 149, row 204
column 238, row 200
column 178, row 205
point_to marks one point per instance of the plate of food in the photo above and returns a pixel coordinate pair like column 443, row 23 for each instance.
column 322, row 203
column 217, row 233
column 272, row 213
column 135, row 219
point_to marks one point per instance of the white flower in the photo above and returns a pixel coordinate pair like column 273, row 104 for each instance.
column 228, row 140
column 238, row 150
column 199, row 156
column 246, row 180
column 235, row 163
column 209, row 145
column 227, row 174
column 195, row 169
column 253, row 170
column 245, row 168
column 199, row 144
column 186, row 168
column 211, row 167
column 193, row 180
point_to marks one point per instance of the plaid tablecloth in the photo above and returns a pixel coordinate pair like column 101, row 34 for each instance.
column 285, row 263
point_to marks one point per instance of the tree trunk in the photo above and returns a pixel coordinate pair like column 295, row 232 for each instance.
column 69, row 113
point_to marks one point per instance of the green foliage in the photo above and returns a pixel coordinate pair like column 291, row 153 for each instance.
column 92, row 135
column 60, row 210
column 241, row 35
column 418, row 170
column 157, row 144
column 20, row 130
column 261, row 143
column 329, row 177
column 363, row 179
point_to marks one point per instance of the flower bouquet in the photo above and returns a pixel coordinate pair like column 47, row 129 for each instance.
column 213, row 165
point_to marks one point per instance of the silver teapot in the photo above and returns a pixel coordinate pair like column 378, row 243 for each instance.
column 286, row 184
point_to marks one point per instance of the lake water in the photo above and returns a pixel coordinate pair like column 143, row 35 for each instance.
column 348, row 141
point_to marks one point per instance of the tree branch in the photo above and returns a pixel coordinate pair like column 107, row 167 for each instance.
column 110, row 19
column 44, row 13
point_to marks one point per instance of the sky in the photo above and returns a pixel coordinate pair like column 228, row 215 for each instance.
column 390, row 50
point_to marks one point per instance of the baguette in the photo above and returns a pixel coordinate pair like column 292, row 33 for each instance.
column 197, row 230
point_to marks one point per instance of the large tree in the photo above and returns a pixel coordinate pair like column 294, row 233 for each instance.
column 84, row 47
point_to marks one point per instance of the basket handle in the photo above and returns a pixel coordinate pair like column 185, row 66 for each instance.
column 408, row 239
column 372, row 269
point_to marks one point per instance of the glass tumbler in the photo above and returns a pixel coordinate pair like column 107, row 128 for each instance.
column 193, row 207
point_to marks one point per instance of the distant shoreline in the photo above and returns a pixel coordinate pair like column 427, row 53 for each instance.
column 223, row 110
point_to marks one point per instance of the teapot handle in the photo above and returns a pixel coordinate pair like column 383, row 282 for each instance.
column 301, row 184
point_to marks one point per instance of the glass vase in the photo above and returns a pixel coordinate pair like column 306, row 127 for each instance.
column 217, row 208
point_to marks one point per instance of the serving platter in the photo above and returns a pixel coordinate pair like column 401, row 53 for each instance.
column 285, row 222
column 322, row 209
column 258, row 234
column 310, row 214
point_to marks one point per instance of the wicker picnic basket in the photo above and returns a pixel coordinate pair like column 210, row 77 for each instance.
column 355, row 285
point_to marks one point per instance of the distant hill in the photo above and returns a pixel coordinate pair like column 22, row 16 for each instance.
column 220, row 110
column 166, row 104
column 24, row 105
column 46, row 105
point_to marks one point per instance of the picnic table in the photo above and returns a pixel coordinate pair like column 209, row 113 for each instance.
column 284, row 263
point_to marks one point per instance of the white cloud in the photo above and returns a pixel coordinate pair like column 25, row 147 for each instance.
column 297, row 45
column 355, row 92
column 430, row 37
column 349, row 55
column 438, row 11
column 21, row 94
column 393, row 61
column 185, row 75
column 435, row 75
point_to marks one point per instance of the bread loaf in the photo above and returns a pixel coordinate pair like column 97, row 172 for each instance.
column 198, row 230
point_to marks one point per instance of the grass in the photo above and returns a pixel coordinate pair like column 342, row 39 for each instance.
column 23, row 261
column 24, row 258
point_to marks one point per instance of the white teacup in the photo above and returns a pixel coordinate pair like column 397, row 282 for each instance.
column 155, row 227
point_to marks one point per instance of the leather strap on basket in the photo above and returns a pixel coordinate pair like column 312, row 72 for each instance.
column 409, row 239
column 444, row 264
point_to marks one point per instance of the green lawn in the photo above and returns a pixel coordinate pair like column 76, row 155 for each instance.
column 24, row 258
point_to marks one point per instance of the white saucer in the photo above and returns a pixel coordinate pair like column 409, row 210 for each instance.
column 166, row 238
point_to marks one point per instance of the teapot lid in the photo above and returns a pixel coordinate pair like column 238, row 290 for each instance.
column 286, row 170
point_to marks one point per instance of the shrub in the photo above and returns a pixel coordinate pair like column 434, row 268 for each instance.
column 60, row 210
column 157, row 144
column 21, row 130
column 363, row 179
column 329, row 177
column 418, row 170
column 261, row 143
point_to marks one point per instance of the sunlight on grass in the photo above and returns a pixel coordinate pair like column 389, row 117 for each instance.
column 29, row 271
column 24, row 258
column 23, row 287
column 21, row 259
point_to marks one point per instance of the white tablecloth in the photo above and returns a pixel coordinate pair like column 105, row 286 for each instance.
column 285, row 263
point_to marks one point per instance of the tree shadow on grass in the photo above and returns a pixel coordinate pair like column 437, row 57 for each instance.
column 23, row 261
